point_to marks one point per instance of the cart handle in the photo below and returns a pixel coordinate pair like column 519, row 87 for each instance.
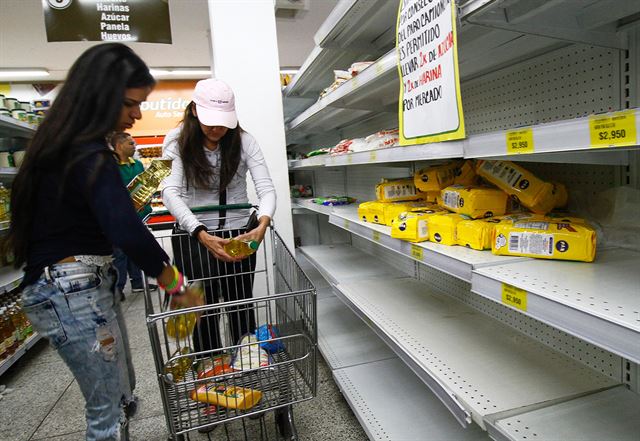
column 206, row 208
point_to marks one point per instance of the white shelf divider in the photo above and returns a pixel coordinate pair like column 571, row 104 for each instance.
column 454, row 260
column 598, row 302
column 391, row 403
column 608, row 415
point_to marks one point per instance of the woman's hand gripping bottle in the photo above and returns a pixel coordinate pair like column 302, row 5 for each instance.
column 241, row 248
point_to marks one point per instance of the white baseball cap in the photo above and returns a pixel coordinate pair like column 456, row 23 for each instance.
column 215, row 103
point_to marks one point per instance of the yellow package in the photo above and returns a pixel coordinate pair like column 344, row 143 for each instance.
column 227, row 396
column 435, row 178
column 413, row 225
column 565, row 217
column 535, row 194
column 475, row 202
column 477, row 234
column 429, row 196
column 465, row 175
column 397, row 190
column 384, row 212
column 443, row 228
column 545, row 240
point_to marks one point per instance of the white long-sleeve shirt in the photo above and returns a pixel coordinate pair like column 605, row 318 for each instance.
column 178, row 199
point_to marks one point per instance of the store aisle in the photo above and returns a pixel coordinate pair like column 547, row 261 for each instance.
column 46, row 403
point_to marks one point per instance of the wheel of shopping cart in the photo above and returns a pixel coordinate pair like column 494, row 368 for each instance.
column 269, row 373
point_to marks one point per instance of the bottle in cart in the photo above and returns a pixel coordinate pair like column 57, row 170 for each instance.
column 143, row 186
column 241, row 248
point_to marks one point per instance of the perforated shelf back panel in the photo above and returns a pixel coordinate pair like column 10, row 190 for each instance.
column 573, row 81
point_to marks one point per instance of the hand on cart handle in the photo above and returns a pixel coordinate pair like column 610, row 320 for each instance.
column 257, row 234
column 215, row 245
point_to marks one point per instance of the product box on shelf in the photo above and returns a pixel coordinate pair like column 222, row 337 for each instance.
column 443, row 228
column 393, row 190
column 383, row 213
column 413, row 226
column 435, row 178
column 475, row 202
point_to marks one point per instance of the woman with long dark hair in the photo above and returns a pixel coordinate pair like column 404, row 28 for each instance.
column 69, row 208
column 211, row 157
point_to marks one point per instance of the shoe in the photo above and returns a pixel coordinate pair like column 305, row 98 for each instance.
column 131, row 407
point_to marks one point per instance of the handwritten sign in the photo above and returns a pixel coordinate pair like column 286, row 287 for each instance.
column 430, row 105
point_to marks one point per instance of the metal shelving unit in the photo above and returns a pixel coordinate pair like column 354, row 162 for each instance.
column 307, row 204
column 597, row 302
column 10, row 278
column 12, row 128
column 28, row 344
column 454, row 260
column 435, row 335
column 611, row 414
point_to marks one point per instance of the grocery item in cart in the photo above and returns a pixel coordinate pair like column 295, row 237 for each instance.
column 443, row 228
column 475, row 202
column 268, row 337
column 178, row 367
column 384, row 212
column 232, row 397
column 215, row 366
column 435, row 178
column 250, row 355
column 545, row 240
column 393, row 190
column 413, row 225
column 532, row 192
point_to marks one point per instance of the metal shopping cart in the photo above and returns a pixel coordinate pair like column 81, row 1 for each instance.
column 207, row 375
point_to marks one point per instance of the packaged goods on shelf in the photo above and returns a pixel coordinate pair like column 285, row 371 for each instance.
column 301, row 191
column 413, row 225
column 358, row 67
column 535, row 194
column 477, row 234
column 348, row 146
column 435, row 178
column 340, row 76
column 251, row 355
column 545, row 240
column 334, row 200
column 475, row 202
column 430, row 196
column 383, row 213
column 150, row 152
column 382, row 139
column 443, row 228
column 392, row 190
column 561, row 195
column 465, row 174
column 322, row 151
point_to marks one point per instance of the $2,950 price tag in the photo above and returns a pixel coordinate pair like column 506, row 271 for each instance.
column 513, row 296
column 376, row 236
column 520, row 141
column 614, row 130
column 416, row 252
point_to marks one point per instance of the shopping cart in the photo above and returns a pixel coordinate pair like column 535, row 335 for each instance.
column 207, row 384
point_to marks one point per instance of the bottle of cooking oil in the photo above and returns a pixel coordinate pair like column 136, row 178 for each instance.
column 241, row 248
column 3, row 336
column 180, row 326
column 10, row 343
column 143, row 186
column 5, row 197
column 16, row 320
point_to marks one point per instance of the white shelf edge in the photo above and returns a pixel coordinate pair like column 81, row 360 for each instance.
column 15, row 127
column 10, row 279
column 307, row 204
column 28, row 344
column 425, row 252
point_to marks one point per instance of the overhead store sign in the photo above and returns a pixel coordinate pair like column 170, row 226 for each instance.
column 164, row 108
column 430, row 106
column 108, row 20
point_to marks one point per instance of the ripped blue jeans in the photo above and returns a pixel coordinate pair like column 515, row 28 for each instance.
column 74, row 306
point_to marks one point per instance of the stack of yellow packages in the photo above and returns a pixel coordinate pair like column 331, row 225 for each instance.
column 412, row 225
column 393, row 198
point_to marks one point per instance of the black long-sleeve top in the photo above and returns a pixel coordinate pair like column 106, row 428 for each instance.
column 92, row 214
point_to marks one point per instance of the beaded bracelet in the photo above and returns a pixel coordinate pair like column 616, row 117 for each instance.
column 178, row 285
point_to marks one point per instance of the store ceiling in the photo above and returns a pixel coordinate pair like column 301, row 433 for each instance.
column 23, row 41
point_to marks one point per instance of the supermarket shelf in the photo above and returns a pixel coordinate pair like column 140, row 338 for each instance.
column 307, row 204
column 28, row 344
column 12, row 128
column 392, row 404
column 557, row 137
column 10, row 278
column 477, row 366
column 454, row 260
column 344, row 340
column 421, row 152
column 4, row 225
column 611, row 414
column 597, row 302
column 8, row 172
column 314, row 161
column 343, row 263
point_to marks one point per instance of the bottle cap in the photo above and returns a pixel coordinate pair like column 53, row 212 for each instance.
column 254, row 244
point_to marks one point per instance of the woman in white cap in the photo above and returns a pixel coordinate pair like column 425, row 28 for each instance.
column 211, row 157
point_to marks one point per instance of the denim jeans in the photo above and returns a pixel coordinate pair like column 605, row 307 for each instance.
column 125, row 265
column 74, row 306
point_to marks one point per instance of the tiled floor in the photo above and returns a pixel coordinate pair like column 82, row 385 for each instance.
column 46, row 403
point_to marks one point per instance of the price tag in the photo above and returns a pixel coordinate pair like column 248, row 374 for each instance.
column 376, row 236
column 513, row 296
column 615, row 130
column 355, row 83
column 416, row 252
column 349, row 159
column 520, row 141
column 373, row 156
column 379, row 68
column 347, row 224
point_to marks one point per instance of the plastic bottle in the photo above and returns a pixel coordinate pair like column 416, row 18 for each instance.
column 10, row 342
column 16, row 320
column 143, row 186
column 4, row 203
column 3, row 336
column 241, row 248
